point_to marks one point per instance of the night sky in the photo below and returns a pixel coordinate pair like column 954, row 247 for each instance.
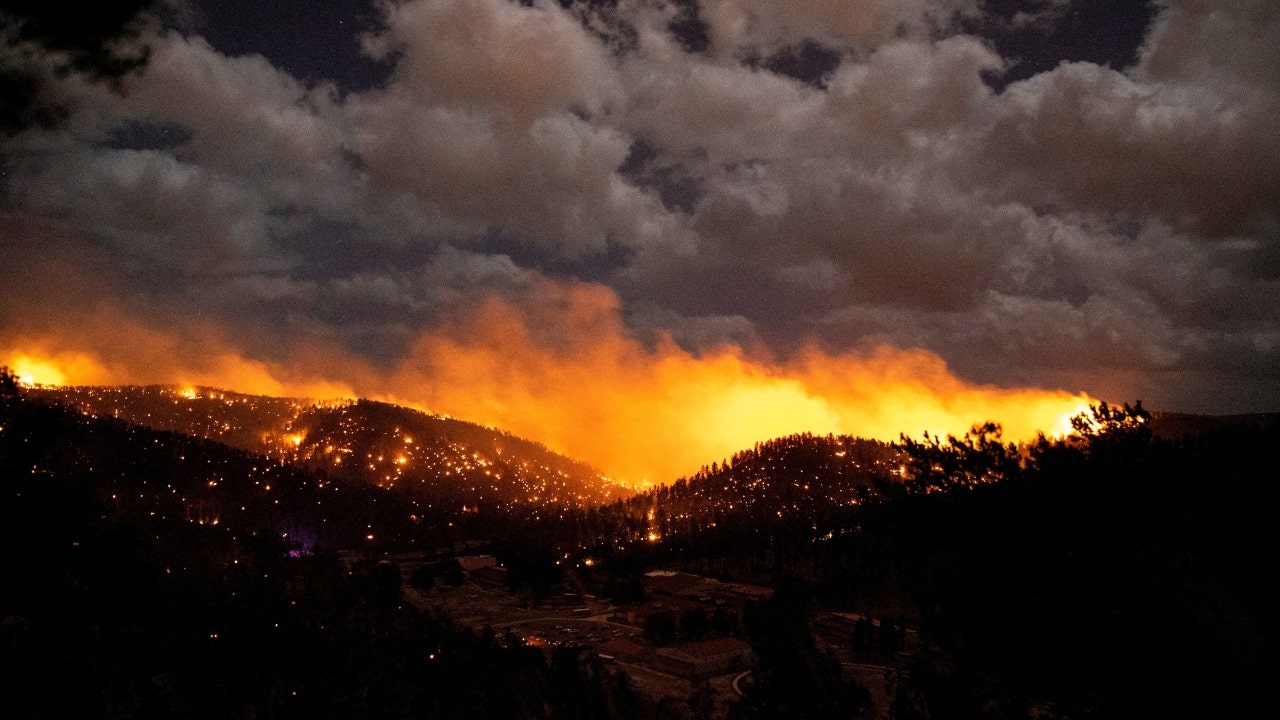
column 389, row 197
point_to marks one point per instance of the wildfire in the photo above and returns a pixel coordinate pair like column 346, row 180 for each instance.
column 651, row 414
column 569, row 374
column 59, row 369
column 1064, row 426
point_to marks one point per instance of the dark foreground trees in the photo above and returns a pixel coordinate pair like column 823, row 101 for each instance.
column 1115, row 572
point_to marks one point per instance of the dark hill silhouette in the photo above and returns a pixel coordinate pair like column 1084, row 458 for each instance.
column 430, row 458
column 162, row 479
column 801, row 484
column 799, row 473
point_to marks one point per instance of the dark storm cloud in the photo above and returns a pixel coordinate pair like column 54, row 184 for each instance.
column 740, row 171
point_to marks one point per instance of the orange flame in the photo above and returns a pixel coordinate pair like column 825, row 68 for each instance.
column 651, row 415
column 53, row 369
column 569, row 374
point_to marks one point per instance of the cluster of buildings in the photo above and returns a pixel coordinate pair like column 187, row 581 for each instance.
column 715, row 648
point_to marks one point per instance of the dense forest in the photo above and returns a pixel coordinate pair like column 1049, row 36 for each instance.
column 1115, row 573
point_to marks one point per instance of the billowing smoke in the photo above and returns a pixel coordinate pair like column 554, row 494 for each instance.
column 568, row 373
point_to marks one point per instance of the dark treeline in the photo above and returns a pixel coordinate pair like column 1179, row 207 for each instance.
column 1116, row 571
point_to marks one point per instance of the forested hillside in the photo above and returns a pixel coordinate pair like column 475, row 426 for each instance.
column 432, row 458
column 1119, row 572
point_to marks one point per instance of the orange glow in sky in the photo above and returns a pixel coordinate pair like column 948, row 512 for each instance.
column 56, row 369
column 573, row 378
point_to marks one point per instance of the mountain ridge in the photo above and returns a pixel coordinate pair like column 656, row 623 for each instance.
column 422, row 454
